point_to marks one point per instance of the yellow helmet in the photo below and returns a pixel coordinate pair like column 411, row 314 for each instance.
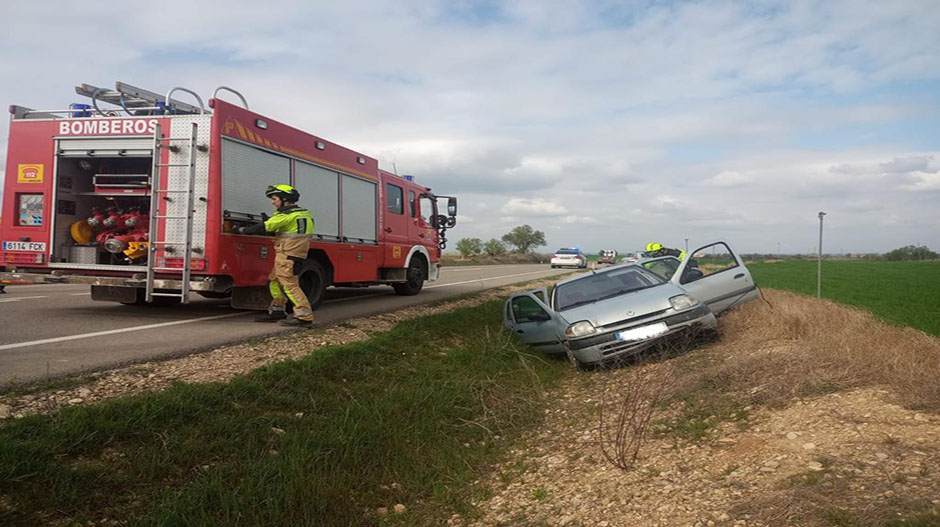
column 653, row 247
column 285, row 192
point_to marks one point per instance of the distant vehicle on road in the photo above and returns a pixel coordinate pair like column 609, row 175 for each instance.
column 569, row 257
column 607, row 256
column 624, row 309
column 632, row 257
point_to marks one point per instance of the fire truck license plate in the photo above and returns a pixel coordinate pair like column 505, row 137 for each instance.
column 24, row 246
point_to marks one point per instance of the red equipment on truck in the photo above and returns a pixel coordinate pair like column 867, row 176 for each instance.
column 140, row 201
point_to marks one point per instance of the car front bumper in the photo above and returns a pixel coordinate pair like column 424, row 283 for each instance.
column 604, row 346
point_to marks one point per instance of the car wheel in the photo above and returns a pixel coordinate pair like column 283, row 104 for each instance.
column 578, row 365
column 415, row 279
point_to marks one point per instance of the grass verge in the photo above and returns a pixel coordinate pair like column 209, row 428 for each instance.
column 411, row 416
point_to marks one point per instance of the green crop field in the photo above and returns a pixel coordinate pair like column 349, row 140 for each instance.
column 904, row 293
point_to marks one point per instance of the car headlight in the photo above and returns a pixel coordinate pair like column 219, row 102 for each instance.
column 681, row 302
column 580, row 329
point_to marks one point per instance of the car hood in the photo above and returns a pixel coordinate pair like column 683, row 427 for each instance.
column 626, row 306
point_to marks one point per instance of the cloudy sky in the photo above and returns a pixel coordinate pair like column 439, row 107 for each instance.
column 601, row 123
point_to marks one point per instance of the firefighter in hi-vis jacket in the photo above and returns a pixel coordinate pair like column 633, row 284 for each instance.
column 293, row 227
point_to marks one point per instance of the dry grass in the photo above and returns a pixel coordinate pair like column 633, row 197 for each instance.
column 798, row 346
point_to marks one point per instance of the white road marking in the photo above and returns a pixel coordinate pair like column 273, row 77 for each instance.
column 79, row 294
column 115, row 331
column 17, row 299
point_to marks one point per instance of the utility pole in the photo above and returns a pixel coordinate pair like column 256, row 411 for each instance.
column 819, row 259
column 686, row 246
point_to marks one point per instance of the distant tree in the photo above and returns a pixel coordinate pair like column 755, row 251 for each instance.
column 524, row 238
column 910, row 252
column 469, row 246
column 494, row 247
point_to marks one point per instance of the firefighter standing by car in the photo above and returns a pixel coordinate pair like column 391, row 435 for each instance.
column 654, row 249
column 293, row 227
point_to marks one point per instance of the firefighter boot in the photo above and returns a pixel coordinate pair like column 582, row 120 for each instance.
column 271, row 316
column 296, row 323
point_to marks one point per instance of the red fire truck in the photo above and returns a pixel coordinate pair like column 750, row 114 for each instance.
column 137, row 195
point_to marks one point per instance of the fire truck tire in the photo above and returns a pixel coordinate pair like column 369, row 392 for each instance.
column 312, row 281
column 415, row 279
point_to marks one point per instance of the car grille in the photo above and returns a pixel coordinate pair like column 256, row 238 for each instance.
column 619, row 345
column 608, row 327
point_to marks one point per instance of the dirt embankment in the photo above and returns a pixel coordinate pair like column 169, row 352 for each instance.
column 805, row 412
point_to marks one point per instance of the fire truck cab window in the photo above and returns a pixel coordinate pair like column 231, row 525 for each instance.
column 395, row 199
column 427, row 210
column 411, row 203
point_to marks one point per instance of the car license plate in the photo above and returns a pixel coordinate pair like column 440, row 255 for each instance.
column 24, row 246
column 643, row 332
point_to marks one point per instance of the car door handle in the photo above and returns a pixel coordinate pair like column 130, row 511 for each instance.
column 520, row 331
column 388, row 229
column 739, row 275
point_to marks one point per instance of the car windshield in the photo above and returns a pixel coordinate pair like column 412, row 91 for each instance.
column 664, row 268
column 566, row 251
column 599, row 286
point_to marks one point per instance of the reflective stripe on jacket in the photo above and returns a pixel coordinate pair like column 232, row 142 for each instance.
column 294, row 227
column 291, row 220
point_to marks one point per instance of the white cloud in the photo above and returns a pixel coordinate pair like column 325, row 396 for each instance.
column 666, row 120
column 727, row 179
column 580, row 220
column 532, row 208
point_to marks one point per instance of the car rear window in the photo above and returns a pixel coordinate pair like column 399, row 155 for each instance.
column 566, row 251
column 599, row 286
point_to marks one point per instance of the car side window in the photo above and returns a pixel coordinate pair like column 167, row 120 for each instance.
column 709, row 260
column 525, row 309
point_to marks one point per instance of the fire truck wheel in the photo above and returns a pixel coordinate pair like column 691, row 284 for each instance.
column 312, row 281
column 415, row 279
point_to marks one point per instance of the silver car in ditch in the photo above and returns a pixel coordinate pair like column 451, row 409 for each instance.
column 623, row 309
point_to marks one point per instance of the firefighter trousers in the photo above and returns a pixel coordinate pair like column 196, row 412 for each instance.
column 284, row 285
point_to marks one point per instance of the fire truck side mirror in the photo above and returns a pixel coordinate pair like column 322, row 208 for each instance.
column 440, row 220
column 451, row 206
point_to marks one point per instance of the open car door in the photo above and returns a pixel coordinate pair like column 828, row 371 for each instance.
column 528, row 316
column 717, row 276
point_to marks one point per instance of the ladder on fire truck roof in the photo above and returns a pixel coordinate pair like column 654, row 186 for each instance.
column 168, row 195
column 133, row 99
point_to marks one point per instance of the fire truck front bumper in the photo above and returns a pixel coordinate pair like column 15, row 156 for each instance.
column 208, row 283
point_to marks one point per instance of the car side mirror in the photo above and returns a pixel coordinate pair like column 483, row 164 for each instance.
column 451, row 206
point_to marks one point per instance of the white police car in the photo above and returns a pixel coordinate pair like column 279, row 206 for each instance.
column 569, row 257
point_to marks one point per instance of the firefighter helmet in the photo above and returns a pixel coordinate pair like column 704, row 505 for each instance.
column 285, row 192
column 652, row 247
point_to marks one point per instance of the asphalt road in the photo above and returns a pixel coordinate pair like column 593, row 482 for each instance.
column 49, row 331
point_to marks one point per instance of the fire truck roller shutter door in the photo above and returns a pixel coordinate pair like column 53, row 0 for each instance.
column 245, row 170
column 359, row 199
column 319, row 193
